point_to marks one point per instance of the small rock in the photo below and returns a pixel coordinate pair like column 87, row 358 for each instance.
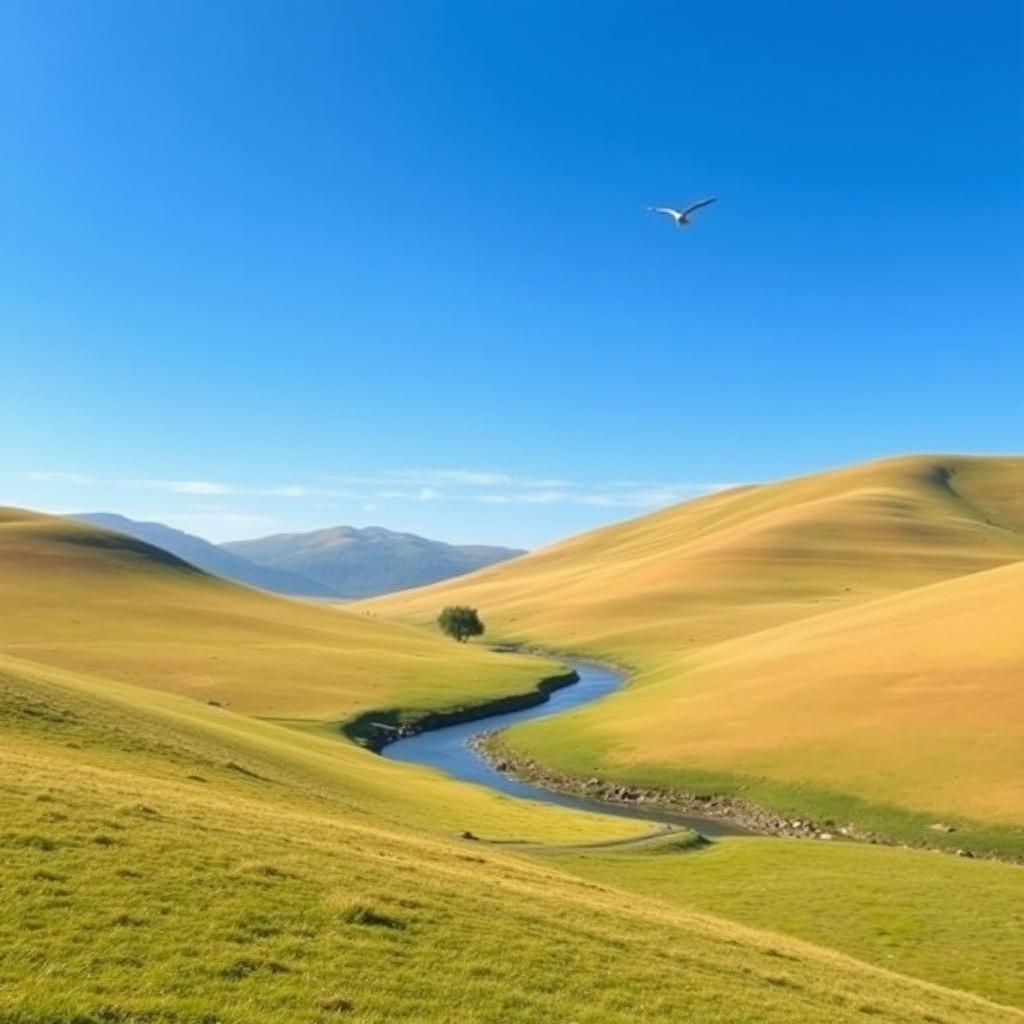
column 824, row 835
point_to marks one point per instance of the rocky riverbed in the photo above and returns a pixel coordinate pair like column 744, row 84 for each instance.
column 746, row 815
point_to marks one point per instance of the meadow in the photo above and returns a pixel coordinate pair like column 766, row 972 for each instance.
column 173, row 853
column 945, row 919
column 98, row 602
column 159, row 867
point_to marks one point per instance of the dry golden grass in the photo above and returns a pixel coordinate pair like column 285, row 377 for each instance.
column 94, row 601
column 850, row 631
column 913, row 699
column 172, row 862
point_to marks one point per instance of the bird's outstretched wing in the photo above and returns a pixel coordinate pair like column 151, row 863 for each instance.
column 697, row 206
column 667, row 210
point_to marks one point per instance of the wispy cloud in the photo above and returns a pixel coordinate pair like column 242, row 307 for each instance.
column 482, row 487
column 446, row 478
column 178, row 486
column 60, row 478
column 605, row 496
column 467, row 477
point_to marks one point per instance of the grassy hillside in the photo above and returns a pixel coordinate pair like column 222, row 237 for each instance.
column 172, row 862
column 953, row 921
column 94, row 601
column 212, row 558
column 119, row 621
column 838, row 644
column 913, row 698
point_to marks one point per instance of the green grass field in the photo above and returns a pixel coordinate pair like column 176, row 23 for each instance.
column 160, row 865
column 944, row 919
column 166, row 860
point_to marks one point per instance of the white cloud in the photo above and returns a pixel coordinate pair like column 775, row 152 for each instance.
column 605, row 496
column 179, row 486
column 483, row 487
column 468, row 477
column 60, row 478
column 442, row 477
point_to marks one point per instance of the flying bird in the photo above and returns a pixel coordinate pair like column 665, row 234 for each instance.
column 682, row 217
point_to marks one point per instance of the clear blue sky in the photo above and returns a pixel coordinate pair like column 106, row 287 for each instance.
column 273, row 266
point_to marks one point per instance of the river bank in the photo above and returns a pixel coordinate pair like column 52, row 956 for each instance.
column 750, row 818
column 377, row 729
column 745, row 816
column 445, row 742
column 467, row 743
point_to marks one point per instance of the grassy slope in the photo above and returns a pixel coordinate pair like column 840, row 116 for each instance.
column 170, row 863
column 938, row 667
column 953, row 921
column 783, row 645
column 184, row 863
column 93, row 601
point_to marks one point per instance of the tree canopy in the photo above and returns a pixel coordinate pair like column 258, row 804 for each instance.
column 460, row 622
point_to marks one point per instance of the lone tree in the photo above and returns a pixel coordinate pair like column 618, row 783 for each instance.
column 460, row 622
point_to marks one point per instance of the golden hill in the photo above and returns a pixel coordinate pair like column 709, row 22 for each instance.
column 851, row 631
column 98, row 602
column 914, row 699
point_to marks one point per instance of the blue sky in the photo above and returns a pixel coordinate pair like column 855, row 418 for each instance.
column 274, row 266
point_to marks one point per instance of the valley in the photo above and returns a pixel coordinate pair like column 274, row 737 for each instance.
column 169, row 734
column 785, row 641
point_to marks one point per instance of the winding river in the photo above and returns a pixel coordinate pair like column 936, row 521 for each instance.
column 448, row 749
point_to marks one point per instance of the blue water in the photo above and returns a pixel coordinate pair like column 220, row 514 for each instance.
column 448, row 750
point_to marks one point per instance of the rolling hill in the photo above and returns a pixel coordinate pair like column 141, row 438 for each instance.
column 210, row 557
column 184, row 865
column 175, row 861
column 88, row 599
column 843, row 644
column 356, row 563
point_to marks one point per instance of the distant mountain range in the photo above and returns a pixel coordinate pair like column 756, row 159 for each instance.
column 339, row 562
column 210, row 557
column 361, row 563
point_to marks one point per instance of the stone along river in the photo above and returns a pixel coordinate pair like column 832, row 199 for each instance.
column 450, row 750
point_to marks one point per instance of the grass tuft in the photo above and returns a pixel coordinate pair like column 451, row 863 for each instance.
column 363, row 914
